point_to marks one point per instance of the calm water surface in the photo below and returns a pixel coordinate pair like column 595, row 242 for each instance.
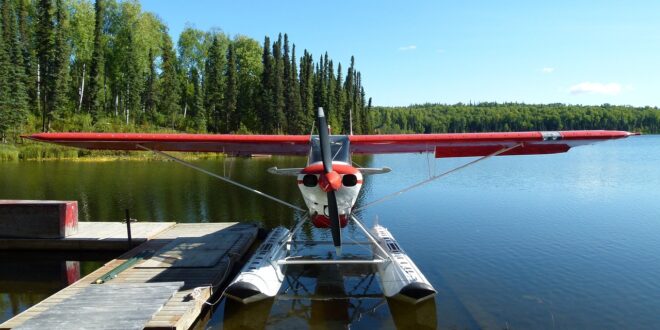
column 559, row 242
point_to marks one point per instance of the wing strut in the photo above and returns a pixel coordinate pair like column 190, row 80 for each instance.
column 435, row 177
column 217, row 176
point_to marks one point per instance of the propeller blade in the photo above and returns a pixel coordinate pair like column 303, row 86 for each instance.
column 333, row 214
column 326, row 155
column 324, row 140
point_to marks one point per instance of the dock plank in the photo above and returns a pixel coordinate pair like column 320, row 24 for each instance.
column 94, row 236
column 229, row 241
column 109, row 306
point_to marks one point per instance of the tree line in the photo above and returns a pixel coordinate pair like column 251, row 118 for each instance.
column 74, row 65
column 505, row 117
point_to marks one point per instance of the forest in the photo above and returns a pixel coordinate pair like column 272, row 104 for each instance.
column 506, row 117
column 76, row 65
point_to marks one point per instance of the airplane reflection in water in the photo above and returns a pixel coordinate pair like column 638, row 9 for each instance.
column 329, row 297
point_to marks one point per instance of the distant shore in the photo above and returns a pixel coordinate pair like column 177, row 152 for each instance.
column 43, row 152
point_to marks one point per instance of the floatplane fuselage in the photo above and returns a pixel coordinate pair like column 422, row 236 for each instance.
column 330, row 186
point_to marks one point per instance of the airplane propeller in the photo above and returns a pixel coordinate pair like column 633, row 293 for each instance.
column 331, row 180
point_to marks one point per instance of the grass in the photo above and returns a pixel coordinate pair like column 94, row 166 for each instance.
column 8, row 152
column 42, row 152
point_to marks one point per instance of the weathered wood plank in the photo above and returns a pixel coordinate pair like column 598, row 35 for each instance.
column 180, row 311
column 125, row 306
column 93, row 236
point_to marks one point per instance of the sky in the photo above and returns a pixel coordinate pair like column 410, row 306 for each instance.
column 574, row 52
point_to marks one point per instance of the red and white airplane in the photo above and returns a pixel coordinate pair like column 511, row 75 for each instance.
column 329, row 182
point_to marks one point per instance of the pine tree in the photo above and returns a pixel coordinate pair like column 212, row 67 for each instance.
column 93, row 102
column 169, row 92
column 278, row 87
column 307, row 89
column 367, row 127
column 214, row 84
column 358, row 100
column 296, row 121
column 231, row 118
column 60, row 68
column 348, row 109
column 46, row 54
column 133, row 80
column 28, row 61
column 330, row 87
column 288, row 91
column 340, row 99
column 320, row 88
column 364, row 127
column 292, row 108
column 197, row 109
column 6, row 116
column 17, row 97
column 150, row 91
column 266, row 108
column 8, row 26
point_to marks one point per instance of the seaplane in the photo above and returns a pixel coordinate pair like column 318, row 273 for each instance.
column 330, row 183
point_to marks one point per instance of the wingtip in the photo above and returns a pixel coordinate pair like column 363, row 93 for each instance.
column 28, row 136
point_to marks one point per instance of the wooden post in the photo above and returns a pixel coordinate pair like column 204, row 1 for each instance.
column 128, row 230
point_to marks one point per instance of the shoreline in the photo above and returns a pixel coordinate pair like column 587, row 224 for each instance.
column 35, row 152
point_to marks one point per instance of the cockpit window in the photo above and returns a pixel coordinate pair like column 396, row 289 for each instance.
column 339, row 148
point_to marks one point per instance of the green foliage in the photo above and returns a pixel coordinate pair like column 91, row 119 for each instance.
column 214, row 68
column 249, row 66
column 93, row 99
column 230, row 115
column 74, row 65
column 13, row 94
column 34, row 151
column 8, row 152
column 277, row 89
column 169, row 93
column 505, row 117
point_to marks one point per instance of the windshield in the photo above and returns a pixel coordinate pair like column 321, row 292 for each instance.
column 339, row 147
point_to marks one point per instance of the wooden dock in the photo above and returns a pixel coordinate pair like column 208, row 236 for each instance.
column 92, row 236
column 198, row 258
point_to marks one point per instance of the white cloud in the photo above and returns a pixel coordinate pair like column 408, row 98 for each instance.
column 548, row 70
column 596, row 88
column 407, row 48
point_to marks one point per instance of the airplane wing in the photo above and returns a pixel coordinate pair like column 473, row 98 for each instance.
column 442, row 145
column 480, row 144
column 225, row 143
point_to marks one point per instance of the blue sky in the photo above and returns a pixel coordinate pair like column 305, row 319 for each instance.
column 577, row 52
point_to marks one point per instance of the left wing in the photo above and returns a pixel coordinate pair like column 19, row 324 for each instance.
column 480, row 144
column 225, row 143
column 442, row 145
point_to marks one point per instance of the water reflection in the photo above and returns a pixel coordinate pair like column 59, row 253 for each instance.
column 328, row 297
column 26, row 278
column 565, row 241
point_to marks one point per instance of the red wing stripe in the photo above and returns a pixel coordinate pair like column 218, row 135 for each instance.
column 443, row 145
column 234, row 144
column 479, row 144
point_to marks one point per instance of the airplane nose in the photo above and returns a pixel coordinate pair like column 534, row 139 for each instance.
column 330, row 181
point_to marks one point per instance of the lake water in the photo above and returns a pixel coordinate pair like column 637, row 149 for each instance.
column 546, row 242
